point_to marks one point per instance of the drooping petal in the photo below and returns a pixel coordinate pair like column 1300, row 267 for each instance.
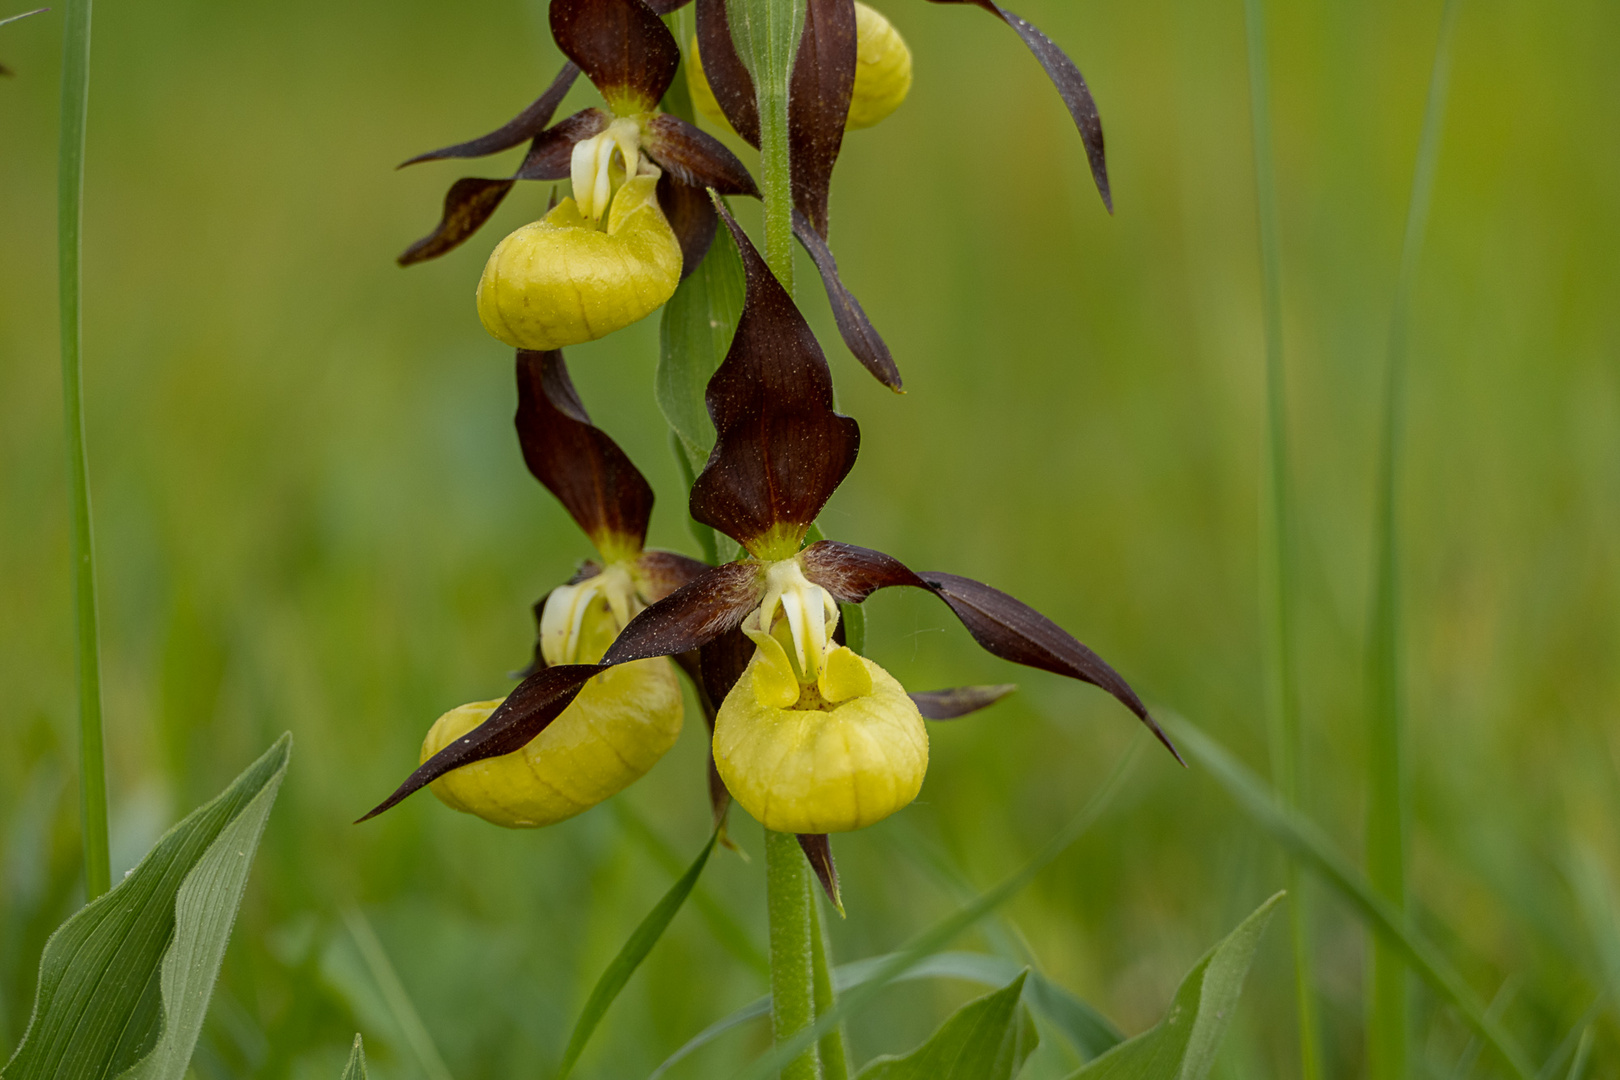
column 818, row 850
column 859, row 335
column 576, row 461
column 622, row 46
column 551, row 155
column 819, row 95
column 526, row 125
column 780, row 449
column 959, row 701
column 1002, row 626
column 685, row 620
column 727, row 74
column 467, row 205
column 691, row 217
column 696, row 157
column 1071, row 87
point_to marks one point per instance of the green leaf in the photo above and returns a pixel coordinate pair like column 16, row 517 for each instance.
column 698, row 324
column 394, row 995
column 1184, row 1044
column 630, row 957
column 986, row 1039
column 356, row 1068
column 124, row 984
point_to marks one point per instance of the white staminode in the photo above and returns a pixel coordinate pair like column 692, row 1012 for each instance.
column 562, row 622
column 808, row 610
column 603, row 162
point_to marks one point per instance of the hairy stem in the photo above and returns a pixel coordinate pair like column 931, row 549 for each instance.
column 834, row 1058
column 793, row 984
column 81, row 547
column 766, row 33
column 1278, row 532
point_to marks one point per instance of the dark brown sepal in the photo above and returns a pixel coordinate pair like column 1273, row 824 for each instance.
column 467, row 205
column 526, row 125
column 1071, row 87
column 576, row 461
column 818, row 850
column 823, row 84
column 1002, row 625
column 667, row 7
column 959, row 701
column 551, row 155
column 860, row 336
column 696, row 157
column 780, row 449
column 662, row 572
column 685, row 620
column 728, row 76
column 622, row 46
column 723, row 661
column 691, row 217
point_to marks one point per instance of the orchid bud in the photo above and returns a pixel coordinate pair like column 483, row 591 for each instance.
column 621, row 723
column 562, row 280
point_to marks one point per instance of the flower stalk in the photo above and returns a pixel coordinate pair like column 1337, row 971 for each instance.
column 766, row 33
column 793, row 984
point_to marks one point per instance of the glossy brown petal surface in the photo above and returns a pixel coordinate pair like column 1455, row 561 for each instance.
column 551, row 155
column 622, row 46
column 663, row 572
column 818, row 850
column 467, row 205
column 576, row 461
column 860, row 336
column 1002, row 625
column 696, row 157
column 727, row 74
column 685, row 620
column 1071, row 87
column 959, row 701
column 780, row 449
column 526, row 125
column 819, row 95
column 691, row 217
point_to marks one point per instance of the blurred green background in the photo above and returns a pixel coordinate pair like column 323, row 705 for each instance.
column 312, row 513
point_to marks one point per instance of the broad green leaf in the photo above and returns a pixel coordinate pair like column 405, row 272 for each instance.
column 1184, row 1044
column 986, row 1039
column 124, row 984
column 1301, row 837
column 356, row 1068
column 630, row 957
column 698, row 324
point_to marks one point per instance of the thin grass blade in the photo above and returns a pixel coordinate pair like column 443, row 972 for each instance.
column 394, row 994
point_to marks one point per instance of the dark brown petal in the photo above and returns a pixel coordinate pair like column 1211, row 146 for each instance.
column 667, row 7
column 723, row 661
column 819, row 96
column 959, row 701
column 719, row 798
column 685, row 620
column 728, row 77
column 1002, row 626
column 551, row 155
column 576, row 461
column 622, row 46
column 1071, row 86
column 818, row 850
column 526, row 125
column 666, row 571
column 467, row 205
column 696, row 157
column 691, row 216
column 860, row 336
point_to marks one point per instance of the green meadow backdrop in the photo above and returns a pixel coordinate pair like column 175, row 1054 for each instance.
column 312, row 515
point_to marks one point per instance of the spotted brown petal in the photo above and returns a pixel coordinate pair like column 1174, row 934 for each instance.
column 727, row 74
column 780, row 450
column 687, row 619
column 551, row 155
column 1071, row 87
column 691, row 217
column 467, row 205
column 526, row 125
column 576, row 461
column 1002, row 625
column 819, row 95
column 818, row 850
column 860, row 336
column 960, row 701
column 696, row 157
column 622, row 46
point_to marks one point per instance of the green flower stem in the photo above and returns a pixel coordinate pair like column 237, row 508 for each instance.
column 70, row 220
column 1278, row 585
column 766, row 33
column 793, row 989
column 834, row 1059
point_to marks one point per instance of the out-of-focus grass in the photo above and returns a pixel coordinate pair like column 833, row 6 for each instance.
column 312, row 513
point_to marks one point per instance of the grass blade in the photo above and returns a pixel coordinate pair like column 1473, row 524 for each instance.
column 635, row 950
column 356, row 1068
column 1301, row 838
column 393, row 992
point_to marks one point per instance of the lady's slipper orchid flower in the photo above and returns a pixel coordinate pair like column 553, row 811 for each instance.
column 623, row 260
column 810, row 737
column 623, row 720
